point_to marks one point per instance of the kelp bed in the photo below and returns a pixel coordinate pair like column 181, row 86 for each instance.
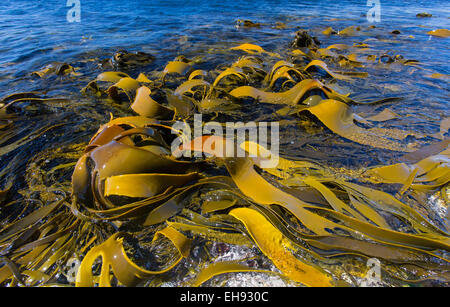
column 121, row 210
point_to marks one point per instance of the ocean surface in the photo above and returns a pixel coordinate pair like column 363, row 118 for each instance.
column 33, row 33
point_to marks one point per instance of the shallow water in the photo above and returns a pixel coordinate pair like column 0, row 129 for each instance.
column 36, row 33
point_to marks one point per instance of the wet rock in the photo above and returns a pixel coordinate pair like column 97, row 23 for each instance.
column 123, row 58
column 303, row 39
column 395, row 32
column 423, row 15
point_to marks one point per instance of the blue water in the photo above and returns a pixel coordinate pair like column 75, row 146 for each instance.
column 34, row 32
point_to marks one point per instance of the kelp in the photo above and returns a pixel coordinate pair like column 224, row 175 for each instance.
column 337, row 116
column 276, row 246
column 322, row 65
column 114, row 258
column 254, row 49
column 144, row 105
column 349, row 31
column 293, row 96
column 177, row 67
column 127, row 85
column 197, row 74
column 219, row 268
column 137, row 214
column 329, row 31
column 286, row 72
column 51, row 241
column 59, row 69
column 250, row 64
column 440, row 33
column 230, row 72
column 263, row 193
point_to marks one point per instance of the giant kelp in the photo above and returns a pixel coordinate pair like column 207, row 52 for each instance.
column 129, row 213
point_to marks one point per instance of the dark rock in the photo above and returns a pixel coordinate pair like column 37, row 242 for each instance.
column 303, row 39
column 122, row 58
column 247, row 24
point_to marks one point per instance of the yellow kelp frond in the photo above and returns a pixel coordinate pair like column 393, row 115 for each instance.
column 177, row 67
column 143, row 78
column 337, row 116
column 293, row 96
column 197, row 74
column 127, row 85
column 192, row 87
column 339, row 76
column 349, row 31
column 59, row 69
column 440, row 33
column 250, row 64
column 111, row 76
column 122, row 83
column 254, row 49
column 329, row 31
column 144, row 185
column 115, row 259
column 289, row 74
column 245, row 178
column 106, row 153
column 250, row 48
column 144, row 105
column 275, row 246
column 229, row 73
column 219, row 268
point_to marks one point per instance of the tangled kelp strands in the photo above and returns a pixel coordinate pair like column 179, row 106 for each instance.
column 122, row 210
